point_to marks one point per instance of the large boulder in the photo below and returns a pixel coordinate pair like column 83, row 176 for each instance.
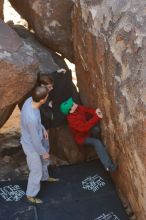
column 48, row 61
column 110, row 52
column 63, row 145
column 18, row 67
column 51, row 21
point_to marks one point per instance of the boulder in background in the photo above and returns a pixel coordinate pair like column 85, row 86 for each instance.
column 51, row 22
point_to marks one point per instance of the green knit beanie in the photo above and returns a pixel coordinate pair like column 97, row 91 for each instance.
column 66, row 106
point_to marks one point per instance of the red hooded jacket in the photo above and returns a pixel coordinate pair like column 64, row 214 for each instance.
column 81, row 121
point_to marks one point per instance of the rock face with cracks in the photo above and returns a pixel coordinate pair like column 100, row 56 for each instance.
column 110, row 55
column 51, row 21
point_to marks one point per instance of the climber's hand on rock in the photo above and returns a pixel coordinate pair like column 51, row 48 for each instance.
column 61, row 70
column 99, row 113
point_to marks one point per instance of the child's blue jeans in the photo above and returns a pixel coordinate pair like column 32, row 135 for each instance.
column 100, row 150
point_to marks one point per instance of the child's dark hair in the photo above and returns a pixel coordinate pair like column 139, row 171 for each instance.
column 45, row 79
column 39, row 92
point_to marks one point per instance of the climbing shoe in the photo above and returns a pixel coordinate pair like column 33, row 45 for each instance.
column 112, row 168
column 51, row 179
column 34, row 200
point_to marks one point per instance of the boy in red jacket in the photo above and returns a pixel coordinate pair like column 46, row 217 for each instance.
column 82, row 122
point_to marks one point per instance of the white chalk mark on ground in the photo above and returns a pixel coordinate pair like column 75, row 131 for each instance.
column 109, row 216
column 93, row 183
column 11, row 193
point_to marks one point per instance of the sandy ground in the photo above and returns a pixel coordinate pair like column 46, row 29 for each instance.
column 12, row 158
column 12, row 126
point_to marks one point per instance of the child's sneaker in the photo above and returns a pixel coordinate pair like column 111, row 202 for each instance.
column 112, row 168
